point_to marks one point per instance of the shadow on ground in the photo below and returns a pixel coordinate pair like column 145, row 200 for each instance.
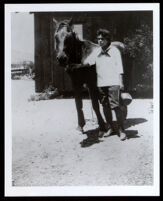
column 132, row 122
column 92, row 138
column 132, row 134
column 92, row 135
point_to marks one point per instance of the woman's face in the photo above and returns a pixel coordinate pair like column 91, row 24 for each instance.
column 103, row 42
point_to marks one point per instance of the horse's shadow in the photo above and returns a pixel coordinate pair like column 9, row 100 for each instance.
column 92, row 135
column 92, row 138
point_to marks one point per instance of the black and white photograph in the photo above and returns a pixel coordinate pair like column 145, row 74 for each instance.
column 82, row 99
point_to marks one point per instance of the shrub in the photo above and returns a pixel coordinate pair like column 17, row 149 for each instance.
column 49, row 93
column 139, row 47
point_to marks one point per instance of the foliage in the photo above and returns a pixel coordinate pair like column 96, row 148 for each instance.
column 139, row 48
column 138, row 42
column 49, row 93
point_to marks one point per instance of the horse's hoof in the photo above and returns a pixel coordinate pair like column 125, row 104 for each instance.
column 108, row 133
column 122, row 136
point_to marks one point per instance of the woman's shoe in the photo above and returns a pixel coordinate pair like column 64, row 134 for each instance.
column 108, row 133
column 122, row 135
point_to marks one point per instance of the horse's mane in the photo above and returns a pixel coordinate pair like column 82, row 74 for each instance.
column 90, row 44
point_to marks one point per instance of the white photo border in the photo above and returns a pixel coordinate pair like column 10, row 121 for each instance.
column 82, row 190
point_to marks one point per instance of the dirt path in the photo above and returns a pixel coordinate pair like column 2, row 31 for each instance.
column 48, row 151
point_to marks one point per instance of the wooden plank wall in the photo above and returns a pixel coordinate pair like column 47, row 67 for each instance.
column 43, row 75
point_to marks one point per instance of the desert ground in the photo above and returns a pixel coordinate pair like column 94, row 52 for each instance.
column 48, row 151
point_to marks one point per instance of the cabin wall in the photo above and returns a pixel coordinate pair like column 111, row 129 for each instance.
column 42, row 52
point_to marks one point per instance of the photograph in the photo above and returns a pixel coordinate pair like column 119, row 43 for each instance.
column 82, row 99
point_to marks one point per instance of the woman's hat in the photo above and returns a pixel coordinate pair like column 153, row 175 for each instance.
column 126, row 97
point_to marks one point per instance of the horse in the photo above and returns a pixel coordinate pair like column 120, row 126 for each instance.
column 73, row 54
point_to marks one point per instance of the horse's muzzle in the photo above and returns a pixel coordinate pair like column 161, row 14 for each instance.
column 62, row 60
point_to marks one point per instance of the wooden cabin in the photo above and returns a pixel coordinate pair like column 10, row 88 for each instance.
column 48, row 71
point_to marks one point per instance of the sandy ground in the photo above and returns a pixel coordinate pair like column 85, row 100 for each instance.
column 48, row 151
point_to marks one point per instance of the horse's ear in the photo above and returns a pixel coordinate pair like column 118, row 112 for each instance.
column 70, row 22
column 55, row 21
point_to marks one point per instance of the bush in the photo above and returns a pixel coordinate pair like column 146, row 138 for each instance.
column 138, row 42
column 49, row 93
column 139, row 47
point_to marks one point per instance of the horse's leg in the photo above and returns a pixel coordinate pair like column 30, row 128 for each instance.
column 79, row 106
column 77, row 86
column 95, row 103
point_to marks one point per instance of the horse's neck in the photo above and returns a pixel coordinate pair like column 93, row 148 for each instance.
column 81, row 50
column 88, row 48
column 75, row 50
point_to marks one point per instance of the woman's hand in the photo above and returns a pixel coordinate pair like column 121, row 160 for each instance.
column 72, row 67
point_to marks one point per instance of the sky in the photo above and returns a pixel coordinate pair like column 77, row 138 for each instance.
column 22, row 37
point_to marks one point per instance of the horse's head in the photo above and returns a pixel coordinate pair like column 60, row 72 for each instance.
column 67, row 43
column 63, row 37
